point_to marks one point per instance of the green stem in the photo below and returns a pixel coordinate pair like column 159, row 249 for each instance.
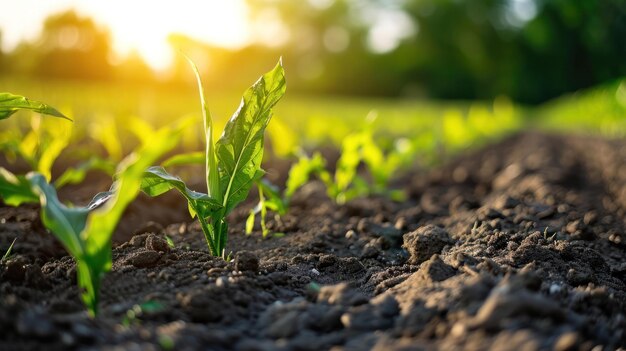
column 209, row 235
column 221, row 232
column 89, row 283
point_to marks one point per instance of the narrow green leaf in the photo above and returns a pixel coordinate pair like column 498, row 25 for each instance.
column 240, row 149
column 190, row 158
column 50, row 150
column 77, row 174
column 170, row 242
column 7, row 254
column 105, row 131
column 156, row 181
column 10, row 103
column 212, row 173
column 250, row 220
column 15, row 189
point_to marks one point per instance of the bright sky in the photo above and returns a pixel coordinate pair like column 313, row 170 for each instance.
column 143, row 25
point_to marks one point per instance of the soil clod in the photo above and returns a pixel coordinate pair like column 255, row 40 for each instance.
column 425, row 242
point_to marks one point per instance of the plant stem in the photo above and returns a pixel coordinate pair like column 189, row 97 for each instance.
column 209, row 235
column 221, row 233
column 89, row 283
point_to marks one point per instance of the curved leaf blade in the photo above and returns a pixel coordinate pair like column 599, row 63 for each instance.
column 10, row 103
column 77, row 174
column 190, row 158
column 66, row 223
column 156, row 181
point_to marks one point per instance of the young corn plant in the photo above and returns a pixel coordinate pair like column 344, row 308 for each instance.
column 271, row 199
column 86, row 232
column 45, row 141
column 15, row 189
column 232, row 163
column 358, row 148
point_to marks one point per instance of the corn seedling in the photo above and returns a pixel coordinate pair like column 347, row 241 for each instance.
column 270, row 197
column 15, row 189
column 360, row 148
column 40, row 147
column 86, row 231
column 232, row 163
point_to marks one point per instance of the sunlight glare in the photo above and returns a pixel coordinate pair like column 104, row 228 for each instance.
column 145, row 26
column 139, row 25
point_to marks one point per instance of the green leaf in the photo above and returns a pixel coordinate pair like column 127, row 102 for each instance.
column 348, row 161
column 58, row 139
column 104, row 130
column 212, row 173
column 10, row 103
column 78, row 174
column 66, row 223
column 170, row 242
column 190, row 158
column 156, row 181
column 250, row 219
column 240, row 148
column 7, row 254
column 15, row 189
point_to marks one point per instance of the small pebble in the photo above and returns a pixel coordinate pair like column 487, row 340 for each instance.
column 555, row 289
column 221, row 282
column 350, row 234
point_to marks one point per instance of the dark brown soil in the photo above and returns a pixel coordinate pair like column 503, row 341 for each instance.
column 519, row 246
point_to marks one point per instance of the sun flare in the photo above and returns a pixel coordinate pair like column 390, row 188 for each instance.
column 142, row 26
column 145, row 27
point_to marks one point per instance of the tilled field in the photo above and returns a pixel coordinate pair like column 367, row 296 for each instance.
column 519, row 246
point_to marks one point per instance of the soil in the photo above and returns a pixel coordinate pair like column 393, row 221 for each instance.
column 518, row 246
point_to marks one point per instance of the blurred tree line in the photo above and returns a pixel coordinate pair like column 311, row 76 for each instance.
column 530, row 50
column 72, row 47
